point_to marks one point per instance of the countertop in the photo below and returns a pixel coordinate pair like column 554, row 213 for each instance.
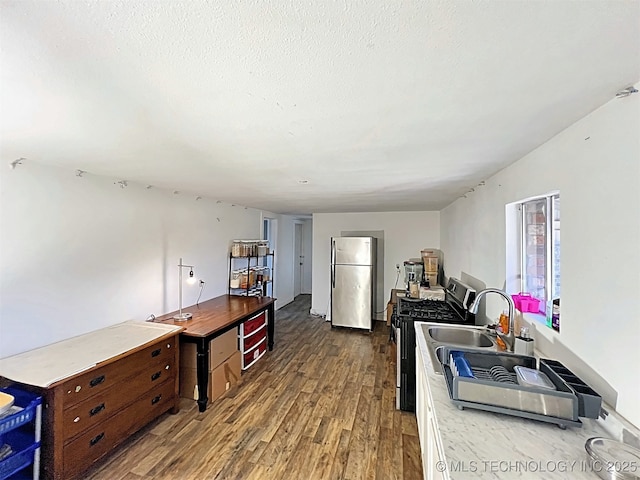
column 479, row 444
column 47, row 365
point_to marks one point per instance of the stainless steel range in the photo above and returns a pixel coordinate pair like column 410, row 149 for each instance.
column 453, row 309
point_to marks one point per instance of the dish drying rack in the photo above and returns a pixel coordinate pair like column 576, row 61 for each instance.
column 491, row 385
column 496, row 373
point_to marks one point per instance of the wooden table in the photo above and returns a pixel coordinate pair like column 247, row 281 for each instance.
column 213, row 318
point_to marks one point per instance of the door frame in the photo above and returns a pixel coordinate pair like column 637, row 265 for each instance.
column 298, row 258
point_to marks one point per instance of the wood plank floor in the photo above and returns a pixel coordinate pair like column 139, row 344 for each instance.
column 321, row 405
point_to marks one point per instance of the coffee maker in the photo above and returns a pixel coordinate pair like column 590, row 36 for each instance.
column 413, row 277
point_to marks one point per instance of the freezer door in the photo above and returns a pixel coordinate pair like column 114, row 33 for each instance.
column 351, row 296
column 351, row 250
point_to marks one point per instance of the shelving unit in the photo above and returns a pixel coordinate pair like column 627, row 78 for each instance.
column 20, row 430
column 248, row 273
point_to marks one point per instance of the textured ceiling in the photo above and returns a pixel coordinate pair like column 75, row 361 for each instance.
column 379, row 105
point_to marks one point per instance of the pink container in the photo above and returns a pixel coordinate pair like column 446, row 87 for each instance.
column 526, row 303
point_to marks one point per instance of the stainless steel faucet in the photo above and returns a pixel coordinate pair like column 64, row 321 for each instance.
column 509, row 338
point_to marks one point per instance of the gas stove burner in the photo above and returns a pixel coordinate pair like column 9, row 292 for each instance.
column 430, row 310
column 432, row 315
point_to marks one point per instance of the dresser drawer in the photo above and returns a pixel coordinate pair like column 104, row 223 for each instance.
column 99, row 440
column 248, row 342
column 253, row 324
column 252, row 356
column 102, row 378
column 97, row 408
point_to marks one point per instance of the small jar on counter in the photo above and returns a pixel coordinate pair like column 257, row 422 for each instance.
column 523, row 343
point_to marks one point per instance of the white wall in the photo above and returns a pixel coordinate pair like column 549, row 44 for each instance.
column 405, row 235
column 285, row 260
column 595, row 164
column 80, row 253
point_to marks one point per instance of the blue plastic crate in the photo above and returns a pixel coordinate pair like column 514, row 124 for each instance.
column 24, row 449
column 29, row 403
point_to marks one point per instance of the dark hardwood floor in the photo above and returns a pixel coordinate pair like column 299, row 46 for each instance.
column 321, row 405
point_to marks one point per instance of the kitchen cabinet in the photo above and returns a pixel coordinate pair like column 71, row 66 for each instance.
column 251, row 275
column 431, row 448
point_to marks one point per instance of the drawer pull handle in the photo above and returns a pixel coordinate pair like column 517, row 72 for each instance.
column 156, row 399
column 157, row 352
column 168, row 345
column 76, row 420
column 155, row 376
column 96, row 381
column 96, row 410
column 96, row 439
column 167, row 367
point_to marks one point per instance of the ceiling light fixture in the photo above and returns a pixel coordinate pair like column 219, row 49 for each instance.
column 79, row 173
column 626, row 92
column 122, row 183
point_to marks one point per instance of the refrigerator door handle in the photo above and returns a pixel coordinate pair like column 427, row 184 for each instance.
column 333, row 252
column 333, row 264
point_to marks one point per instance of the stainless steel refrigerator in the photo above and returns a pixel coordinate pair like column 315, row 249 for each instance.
column 353, row 282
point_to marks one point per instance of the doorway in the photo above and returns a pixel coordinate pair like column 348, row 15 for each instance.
column 298, row 260
column 270, row 233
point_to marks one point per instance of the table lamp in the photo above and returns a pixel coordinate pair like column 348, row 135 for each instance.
column 182, row 316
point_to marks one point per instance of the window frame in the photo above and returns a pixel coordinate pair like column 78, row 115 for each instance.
column 549, row 255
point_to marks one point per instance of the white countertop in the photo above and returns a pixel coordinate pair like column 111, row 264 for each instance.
column 479, row 444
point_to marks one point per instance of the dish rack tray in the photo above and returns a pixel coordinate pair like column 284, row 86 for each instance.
column 494, row 388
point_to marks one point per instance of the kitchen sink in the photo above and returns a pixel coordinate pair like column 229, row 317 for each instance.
column 460, row 336
column 438, row 337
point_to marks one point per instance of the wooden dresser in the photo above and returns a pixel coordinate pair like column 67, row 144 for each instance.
column 123, row 387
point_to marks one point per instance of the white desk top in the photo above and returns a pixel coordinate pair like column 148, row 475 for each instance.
column 46, row 365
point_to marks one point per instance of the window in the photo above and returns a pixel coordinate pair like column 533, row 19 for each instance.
column 539, row 219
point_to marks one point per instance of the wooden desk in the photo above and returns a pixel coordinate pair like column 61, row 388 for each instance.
column 213, row 318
